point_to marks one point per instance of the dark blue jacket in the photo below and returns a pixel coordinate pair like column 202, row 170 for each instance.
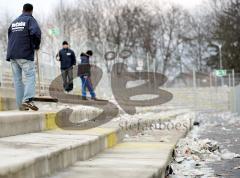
column 84, row 59
column 84, row 69
column 24, row 36
column 67, row 58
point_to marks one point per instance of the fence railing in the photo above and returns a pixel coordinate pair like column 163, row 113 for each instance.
column 235, row 99
column 192, row 89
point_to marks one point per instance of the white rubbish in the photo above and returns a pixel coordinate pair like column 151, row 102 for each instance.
column 164, row 140
column 193, row 154
column 238, row 167
column 195, row 173
column 228, row 155
column 179, row 159
column 223, row 128
column 214, row 157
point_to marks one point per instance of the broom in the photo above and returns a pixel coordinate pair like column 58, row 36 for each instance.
column 41, row 97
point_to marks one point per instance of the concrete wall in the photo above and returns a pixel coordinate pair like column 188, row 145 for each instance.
column 194, row 98
column 201, row 98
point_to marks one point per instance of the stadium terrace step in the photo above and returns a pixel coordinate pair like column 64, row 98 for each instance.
column 7, row 101
column 16, row 122
column 19, row 122
column 7, row 104
column 40, row 154
column 146, row 155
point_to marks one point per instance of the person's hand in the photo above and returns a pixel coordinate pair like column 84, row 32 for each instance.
column 58, row 57
column 37, row 48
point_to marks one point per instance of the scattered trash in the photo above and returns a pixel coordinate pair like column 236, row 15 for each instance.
column 221, row 175
column 164, row 140
column 211, row 146
column 228, row 155
column 179, row 159
column 238, row 167
column 223, row 128
column 197, row 165
column 169, row 171
column 196, row 123
column 193, row 155
column 195, row 173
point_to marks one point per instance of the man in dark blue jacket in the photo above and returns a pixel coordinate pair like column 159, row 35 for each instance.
column 67, row 59
column 24, row 37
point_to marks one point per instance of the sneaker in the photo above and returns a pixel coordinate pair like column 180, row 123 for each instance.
column 30, row 105
column 84, row 98
column 94, row 98
column 23, row 108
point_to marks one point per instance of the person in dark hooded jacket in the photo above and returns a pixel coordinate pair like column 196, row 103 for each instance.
column 84, row 72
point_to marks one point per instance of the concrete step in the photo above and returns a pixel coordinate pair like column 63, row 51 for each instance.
column 18, row 122
column 7, row 104
column 7, row 99
column 40, row 154
column 143, row 156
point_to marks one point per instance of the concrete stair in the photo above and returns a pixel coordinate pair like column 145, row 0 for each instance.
column 143, row 156
column 18, row 122
column 32, row 146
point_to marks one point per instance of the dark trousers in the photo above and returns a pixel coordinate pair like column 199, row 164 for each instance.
column 67, row 76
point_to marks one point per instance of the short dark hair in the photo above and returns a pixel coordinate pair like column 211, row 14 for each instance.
column 28, row 7
column 65, row 43
column 89, row 53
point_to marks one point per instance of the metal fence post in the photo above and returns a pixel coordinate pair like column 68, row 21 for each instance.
column 148, row 65
column 154, row 70
column 194, row 79
column 229, row 80
column 210, row 79
column 216, row 81
column 233, row 77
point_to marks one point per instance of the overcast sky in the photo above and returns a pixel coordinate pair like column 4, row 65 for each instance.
column 14, row 7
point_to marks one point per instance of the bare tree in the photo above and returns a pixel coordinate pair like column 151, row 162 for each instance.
column 173, row 26
column 4, row 25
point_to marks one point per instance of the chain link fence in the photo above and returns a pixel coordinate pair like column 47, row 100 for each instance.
column 202, row 91
column 235, row 99
column 191, row 89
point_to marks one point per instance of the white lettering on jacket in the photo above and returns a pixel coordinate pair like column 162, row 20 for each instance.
column 18, row 26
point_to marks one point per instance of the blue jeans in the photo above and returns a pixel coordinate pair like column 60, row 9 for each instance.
column 86, row 83
column 25, row 91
